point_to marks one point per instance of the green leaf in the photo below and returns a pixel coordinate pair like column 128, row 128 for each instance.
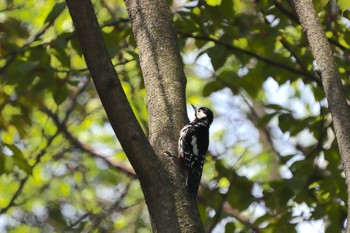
column 266, row 119
column 60, row 94
column 230, row 227
column 227, row 9
column 55, row 12
column 241, row 193
column 212, row 87
column 76, row 46
column 20, row 72
column 344, row 5
column 19, row 159
column 111, row 39
column 213, row 2
column 134, row 55
column 320, row 4
column 6, row 164
column 2, row 163
column 218, row 55
column 59, row 49
column 285, row 122
column 41, row 55
column 278, row 108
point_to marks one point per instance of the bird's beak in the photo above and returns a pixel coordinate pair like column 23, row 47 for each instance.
column 195, row 110
column 194, row 107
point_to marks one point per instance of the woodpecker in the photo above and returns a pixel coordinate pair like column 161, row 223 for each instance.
column 193, row 146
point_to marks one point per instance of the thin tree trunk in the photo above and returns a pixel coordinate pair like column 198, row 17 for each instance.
column 332, row 84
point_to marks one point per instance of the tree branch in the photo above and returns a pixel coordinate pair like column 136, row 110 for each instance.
column 332, row 83
column 255, row 55
column 240, row 217
column 173, row 206
column 61, row 126
column 97, row 220
column 297, row 59
column 30, row 40
column 25, row 179
column 111, row 93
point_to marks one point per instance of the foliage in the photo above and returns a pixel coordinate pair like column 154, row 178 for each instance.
column 274, row 164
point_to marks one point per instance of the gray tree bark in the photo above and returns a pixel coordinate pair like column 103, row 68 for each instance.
column 171, row 207
column 331, row 82
column 165, row 84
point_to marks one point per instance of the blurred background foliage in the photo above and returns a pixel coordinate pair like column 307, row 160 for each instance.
column 274, row 164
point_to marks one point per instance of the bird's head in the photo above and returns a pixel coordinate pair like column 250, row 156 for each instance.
column 203, row 113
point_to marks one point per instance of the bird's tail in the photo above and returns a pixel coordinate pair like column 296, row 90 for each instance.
column 192, row 183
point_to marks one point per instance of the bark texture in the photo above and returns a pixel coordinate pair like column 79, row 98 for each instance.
column 110, row 91
column 165, row 85
column 170, row 206
column 331, row 81
column 162, row 70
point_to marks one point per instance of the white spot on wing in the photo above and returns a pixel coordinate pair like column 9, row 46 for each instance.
column 183, row 133
column 194, row 145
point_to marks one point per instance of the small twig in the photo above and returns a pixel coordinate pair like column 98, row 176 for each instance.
column 74, row 101
column 255, row 118
column 71, row 226
column 115, row 22
column 240, row 217
column 11, row 8
column 255, row 55
column 286, row 46
column 77, row 71
column 290, row 14
column 222, row 202
column 29, row 41
column 100, row 217
column 74, row 141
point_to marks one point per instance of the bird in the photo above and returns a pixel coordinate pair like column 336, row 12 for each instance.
column 193, row 145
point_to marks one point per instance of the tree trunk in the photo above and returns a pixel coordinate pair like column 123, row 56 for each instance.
column 165, row 84
column 171, row 207
column 332, row 84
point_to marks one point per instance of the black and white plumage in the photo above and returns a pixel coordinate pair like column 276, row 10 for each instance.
column 193, row 146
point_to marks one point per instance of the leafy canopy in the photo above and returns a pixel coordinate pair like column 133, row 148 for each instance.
column 274, row 164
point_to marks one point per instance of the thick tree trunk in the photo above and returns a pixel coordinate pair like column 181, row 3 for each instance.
column 331, row 81
column 171, row 207
column 162, row 70
column 165, row 84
